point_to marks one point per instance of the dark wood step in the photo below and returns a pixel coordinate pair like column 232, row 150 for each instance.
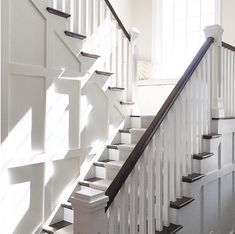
column 135, row 116
column 87, row 182
column 125, row 130
column 102, row 163
column 192, row 177
column 211, row 136
column 75, row 35
column 103, row 73
column 94, row 56
column 181, row 202
column 112, row 147
column 223, row 118
column 67, row 205
column 173, row 228
column 56, row 226
column 116, row 88
column 59, row 13
column 202, row 156
column 127, row 103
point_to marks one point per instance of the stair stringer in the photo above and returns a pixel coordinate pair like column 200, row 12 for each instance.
column 211, row 211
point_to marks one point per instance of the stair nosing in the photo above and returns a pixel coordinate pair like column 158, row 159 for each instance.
column 127, row 130
column 187, row 180
column 201, row 156
column 103, row 73
column 75, row 35
column 211, row 136
column 188, row 201
column 126, row 103
column 165, row 231
column 94, row 56
column 58, row 13
column 116, row 88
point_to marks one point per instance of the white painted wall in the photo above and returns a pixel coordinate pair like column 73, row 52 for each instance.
column 228, row 17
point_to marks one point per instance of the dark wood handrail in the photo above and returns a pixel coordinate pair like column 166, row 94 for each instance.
column 118, row 19
column 130, row 163
column 228, row 46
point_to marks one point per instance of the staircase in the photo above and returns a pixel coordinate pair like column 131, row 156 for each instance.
column 153, row 167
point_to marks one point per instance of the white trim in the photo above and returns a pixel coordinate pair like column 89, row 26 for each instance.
column 218, row 13
column 157, row 82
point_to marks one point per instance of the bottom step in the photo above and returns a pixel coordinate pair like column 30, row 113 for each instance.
column 173, row 228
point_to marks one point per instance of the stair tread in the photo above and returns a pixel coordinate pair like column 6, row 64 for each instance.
column 126, row 103
column 223, row 118
column 90, row 55
column 181, row 202
column 52, row 228
column 75, row 35
column 116, row 88
column 129, row 130
column 203, row 155
column 139, row 116
column 115, row 164
column 173, row 228
column 102, row 163
column 102, row 184
column 65, row 230
column 121, row 146
column 192, row 177
column 211, row 136
column 67, row 205
column 57, row 12
column 104, row 73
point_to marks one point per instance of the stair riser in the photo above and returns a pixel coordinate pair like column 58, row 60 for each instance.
column 131, row 138
column 68, row 215
column 119, row 155
column 111, row 173
column 100, row 172
column 141, row 122
column 207, row 165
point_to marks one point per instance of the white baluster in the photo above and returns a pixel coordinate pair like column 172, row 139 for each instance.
column 60, row 5
column 165, row 176
column 143, row 195
column 113, row 217
column 83, row 17
column 124, row 211
column 159, row 182
column 151, row 192
column 119, row 58
column 134, row 200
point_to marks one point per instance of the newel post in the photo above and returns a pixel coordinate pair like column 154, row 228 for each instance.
column 89, row 212
column 133, row 55
column 216, row 32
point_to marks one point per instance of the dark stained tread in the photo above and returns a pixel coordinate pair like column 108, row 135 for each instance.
column 102, row 163
column 103, row 73
column 116, row 88
column 86, row 182
column 181, row 202
column 59, row 13
column 125, row 130
column 223, row 118
column 172, row 229
column 112, row 147
column 202, row 156
column 135, row 116
column 90, row 55
column 126, row 103
column 211, row 136
column 75, row 35
column 67, row 205
column 56, row 226
column 192, row 177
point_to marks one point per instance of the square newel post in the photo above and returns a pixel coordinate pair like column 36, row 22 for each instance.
column 89, row 211
column 216, row 32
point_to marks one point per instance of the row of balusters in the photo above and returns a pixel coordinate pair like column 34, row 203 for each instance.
column 143, row 203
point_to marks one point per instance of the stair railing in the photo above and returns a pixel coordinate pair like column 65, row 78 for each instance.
column 106, row 36
column 228, row 79
column 140, row 194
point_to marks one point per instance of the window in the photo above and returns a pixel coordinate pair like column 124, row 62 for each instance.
column 178, row 28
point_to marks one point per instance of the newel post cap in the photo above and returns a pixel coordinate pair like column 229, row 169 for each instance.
column 134, row 34
column 215, row 31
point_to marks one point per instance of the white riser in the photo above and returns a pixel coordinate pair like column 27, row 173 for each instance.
column 131, row 138
column 68, row 215
column 100, row 172
column 141, row 122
